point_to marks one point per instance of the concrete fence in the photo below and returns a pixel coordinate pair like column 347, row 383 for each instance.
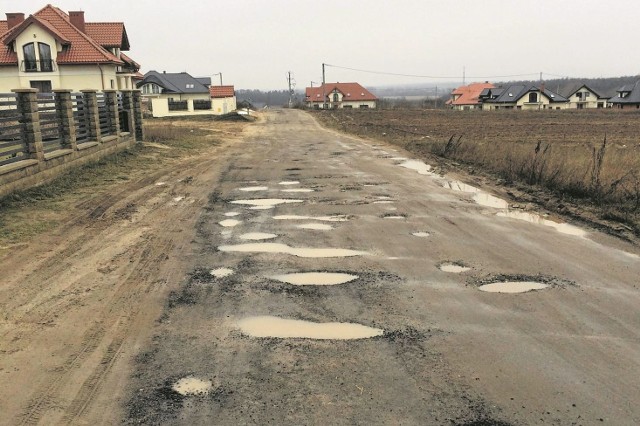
column 42, row 135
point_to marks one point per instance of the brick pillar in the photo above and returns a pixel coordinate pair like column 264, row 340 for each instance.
column 92, row 116
column 137, row 109
column 30, row 121
column 127, row 105
column 111, row 99
column 66, row 121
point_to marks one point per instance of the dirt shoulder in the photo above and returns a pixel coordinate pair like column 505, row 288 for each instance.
column 92, row 257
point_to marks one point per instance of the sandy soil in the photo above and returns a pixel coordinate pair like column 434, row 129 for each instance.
column 117, row 316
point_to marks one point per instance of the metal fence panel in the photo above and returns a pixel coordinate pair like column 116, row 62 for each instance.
column 12, row 146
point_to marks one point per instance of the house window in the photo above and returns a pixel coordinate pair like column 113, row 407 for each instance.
column 43, row 86
column 30, row 63
column 533, row 97
column 335, row 97
column 46, row 64
column 113, row 84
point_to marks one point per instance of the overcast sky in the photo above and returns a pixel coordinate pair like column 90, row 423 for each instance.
column 254, row 43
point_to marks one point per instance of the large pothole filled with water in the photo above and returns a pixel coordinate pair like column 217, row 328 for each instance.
column 295, row 251
column 192, row 386
column 513, row 287
column 275, row 327
column 315, row 278
column 453, row 267
column 266, row 203
column 514, row 284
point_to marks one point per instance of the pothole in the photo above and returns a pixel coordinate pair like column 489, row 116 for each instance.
column 266, row 203
column 178, row 199
column 394, row 216
column 422, row 234
column 221, row 272
column 384, row 202
column 315, row 278
column 254, row 188
column 229, row 223
column 275, row 327
column 561, row 227
column 289, row 182
column 315, row 226
column 255, row 236
column 418, row 166
column 232, row 214
column 192, row 386
column 295, row 251
column 453, row 267
column 513, row 287
column 298, row 190
column 336, row 218
column 456, row 185
column 488, row 200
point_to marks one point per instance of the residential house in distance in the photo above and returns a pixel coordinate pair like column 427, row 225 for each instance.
column 223, row 99
column 628, row 97
column 585, row 98
column 467, row 97
column 54, row 50
column 522, row 97
column 339, row 95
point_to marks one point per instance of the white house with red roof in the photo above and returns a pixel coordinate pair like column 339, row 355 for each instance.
column 339, row 95
column 223, row 99
column 467, row 97
column 54, row 50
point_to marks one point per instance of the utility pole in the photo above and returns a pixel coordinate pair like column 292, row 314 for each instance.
column 290, row 90
column 464, row 75
column 324, row 96
column 436, row 101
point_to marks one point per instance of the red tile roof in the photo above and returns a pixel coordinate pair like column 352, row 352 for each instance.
column 81, row 48
column 350, row 91
column 222, row 91
column 128, row 61
column 468, row 95
column 108, row 34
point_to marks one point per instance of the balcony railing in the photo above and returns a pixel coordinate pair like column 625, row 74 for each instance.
column 45, row 65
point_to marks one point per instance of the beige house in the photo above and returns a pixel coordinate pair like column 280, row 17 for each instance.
column 54, row 50
column 586, row 98
column 522, row 97
column 223, row 99
column 339, row 95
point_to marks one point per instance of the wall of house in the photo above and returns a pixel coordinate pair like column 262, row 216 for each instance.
column 160, row 105
column 79, row 77
column 591, row 101
column 223, row 105
column 543, row 103
column 356, row 104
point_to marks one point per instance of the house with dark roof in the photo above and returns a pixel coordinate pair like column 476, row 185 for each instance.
column 584, row 97
column 172, row 94
column 339, row 95
column 627, row 97
column 467, row 97
column 54, row 50
column 522, row 97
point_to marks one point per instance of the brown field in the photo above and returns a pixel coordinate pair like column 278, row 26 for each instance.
column 563, row 152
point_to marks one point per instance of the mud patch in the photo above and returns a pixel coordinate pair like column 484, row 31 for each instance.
column 221, row 272
column 315, row 278
column 315, row 226
column 192, row 386
column 561, row 227
column 254, row 188
column 295, row 251
column 453, row 267
column 275, row 327
column 229, row 223
column 256, row 236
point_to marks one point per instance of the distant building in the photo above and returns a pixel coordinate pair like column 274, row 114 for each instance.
column 223, row 99
column 339, row 95
column 522, row 97
column 174, row 94
column 467, row 97
column 586, row 98
column 54, row 50
column 627, row 97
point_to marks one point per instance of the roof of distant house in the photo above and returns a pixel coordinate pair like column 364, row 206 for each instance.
column 176, row 82
column 578, row 87
column 468, row 95
column 80, row 47
column 514, row 92
column 632, row 98
column 351, row 92
column 222, row 91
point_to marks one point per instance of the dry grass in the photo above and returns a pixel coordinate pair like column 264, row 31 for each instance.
column 590, row 156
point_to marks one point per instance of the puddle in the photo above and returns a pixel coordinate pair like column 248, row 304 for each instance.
column 298, row 190
column 456, row 185
column 315, row 278
column 161, row 183
column 229, row 223
column 384, row 202
column 289, row 182
column 268, row 326
column 395, row 217
column 315, row 226
column 254, row 236
column 489, row 200
column 178, row 199
column 285, row 249
column 192, row 386
column 513, row 287
column 421, row 234
column 221, row 272
column 254, row 188
column 320, row 218
column 454, row 268
column 418, row 166
column 232, row 214
column 399, row 158
column 265, row 203
column 383, row 197
column 563, row 228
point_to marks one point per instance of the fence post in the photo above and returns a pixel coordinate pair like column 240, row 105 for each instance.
column 92, row 115
column 111, row 100
column 137, row 108
column 30, row 120
column 127, row 105
column 66, row 122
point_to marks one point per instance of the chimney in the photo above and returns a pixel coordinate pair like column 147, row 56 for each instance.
column 77, row 19
column 14, row 19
